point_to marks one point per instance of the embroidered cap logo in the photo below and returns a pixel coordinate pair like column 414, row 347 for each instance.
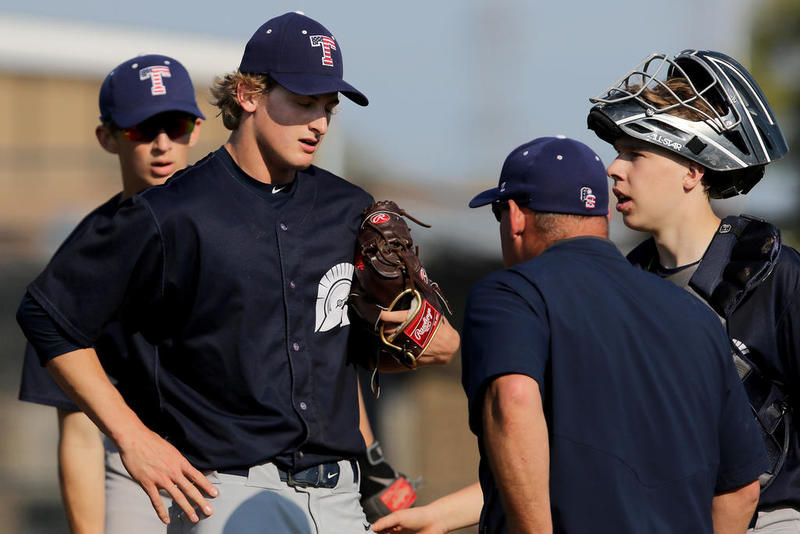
column 156, row 73
column 588, row 197
column 327, row 44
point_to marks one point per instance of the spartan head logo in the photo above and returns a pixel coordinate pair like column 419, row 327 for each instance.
column 327, row 44
column 332, row 293
column 156, row 73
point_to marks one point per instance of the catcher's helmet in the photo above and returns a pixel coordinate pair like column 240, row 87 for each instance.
column 736, row 136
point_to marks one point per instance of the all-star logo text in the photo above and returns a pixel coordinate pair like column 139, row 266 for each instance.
column 664, row 141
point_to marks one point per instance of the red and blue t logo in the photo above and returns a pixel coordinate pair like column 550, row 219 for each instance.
column 156, row 73
column 327, row 44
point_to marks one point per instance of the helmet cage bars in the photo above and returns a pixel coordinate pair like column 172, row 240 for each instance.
column 654, row 70
column 734, row 134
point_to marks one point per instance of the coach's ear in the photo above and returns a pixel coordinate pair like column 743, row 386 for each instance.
column 106, row 139
column 516, row 219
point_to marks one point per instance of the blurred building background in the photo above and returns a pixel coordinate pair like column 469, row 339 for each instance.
column 454, row 86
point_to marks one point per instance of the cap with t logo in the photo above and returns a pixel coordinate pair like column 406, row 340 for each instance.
column 145, row 86
column 301, row 55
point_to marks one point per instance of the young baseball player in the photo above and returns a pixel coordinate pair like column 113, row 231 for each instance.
column 689, row 128
column 149, row 120
column 256, row 383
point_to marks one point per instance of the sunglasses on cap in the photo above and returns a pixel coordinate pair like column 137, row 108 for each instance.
column 174, row 124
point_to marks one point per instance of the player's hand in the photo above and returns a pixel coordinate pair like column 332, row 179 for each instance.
column 395, row 317
column 156, row 465
column 443, row 346
column 420, row 520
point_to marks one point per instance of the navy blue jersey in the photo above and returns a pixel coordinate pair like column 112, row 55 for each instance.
column 645, row 425
column 766, row 324
column 243, row 302
column 38, row 386
column 126, row 356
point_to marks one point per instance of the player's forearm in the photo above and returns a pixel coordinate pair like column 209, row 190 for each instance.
column 81, row 472
column 516, row 442
column 460, row 509
column 731, row 512
column 83, row 379
column 443, row 346
column 363, row 420
column 153, row 462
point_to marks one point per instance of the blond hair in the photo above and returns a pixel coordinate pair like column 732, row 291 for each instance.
column 224, row 92
column 662, row 96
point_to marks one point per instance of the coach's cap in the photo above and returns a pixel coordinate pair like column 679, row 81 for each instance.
column 552, row 174
column 145, row 86
column 301, row 55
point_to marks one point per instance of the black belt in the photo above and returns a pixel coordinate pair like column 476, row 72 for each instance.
column 317, row 476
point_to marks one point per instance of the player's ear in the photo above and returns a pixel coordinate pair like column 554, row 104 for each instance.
column 106, row 139
column 195, row 135
column 247, row 98
column 693, row 176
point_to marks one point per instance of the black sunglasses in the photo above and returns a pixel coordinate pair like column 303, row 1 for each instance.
column 174, row 124
column 499, row 206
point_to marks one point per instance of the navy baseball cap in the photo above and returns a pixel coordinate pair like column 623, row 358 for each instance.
column 299, row 54
column 145, row 86
column 552, row 174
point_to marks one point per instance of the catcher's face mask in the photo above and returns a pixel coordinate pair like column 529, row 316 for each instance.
column 732, row 132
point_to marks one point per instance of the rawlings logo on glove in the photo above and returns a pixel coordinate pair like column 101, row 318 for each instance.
column 390, row 276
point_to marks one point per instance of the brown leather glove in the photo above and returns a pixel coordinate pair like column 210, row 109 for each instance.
column 390, row 276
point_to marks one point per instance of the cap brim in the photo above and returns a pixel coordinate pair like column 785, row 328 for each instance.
column 317, row 84
column 136, row 115
column 487, row 197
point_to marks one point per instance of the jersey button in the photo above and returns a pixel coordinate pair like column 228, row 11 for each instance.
column 303, row 405
column 292, row 284
column 284, row 227
column 295, row 346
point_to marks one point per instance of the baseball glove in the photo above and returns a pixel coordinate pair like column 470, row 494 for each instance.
column 383, row 490
column 390, row 276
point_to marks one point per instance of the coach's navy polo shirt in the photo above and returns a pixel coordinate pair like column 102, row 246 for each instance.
column 245, row 304
column 646, row 416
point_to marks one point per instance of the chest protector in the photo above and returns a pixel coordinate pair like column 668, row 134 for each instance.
column 741, row 256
